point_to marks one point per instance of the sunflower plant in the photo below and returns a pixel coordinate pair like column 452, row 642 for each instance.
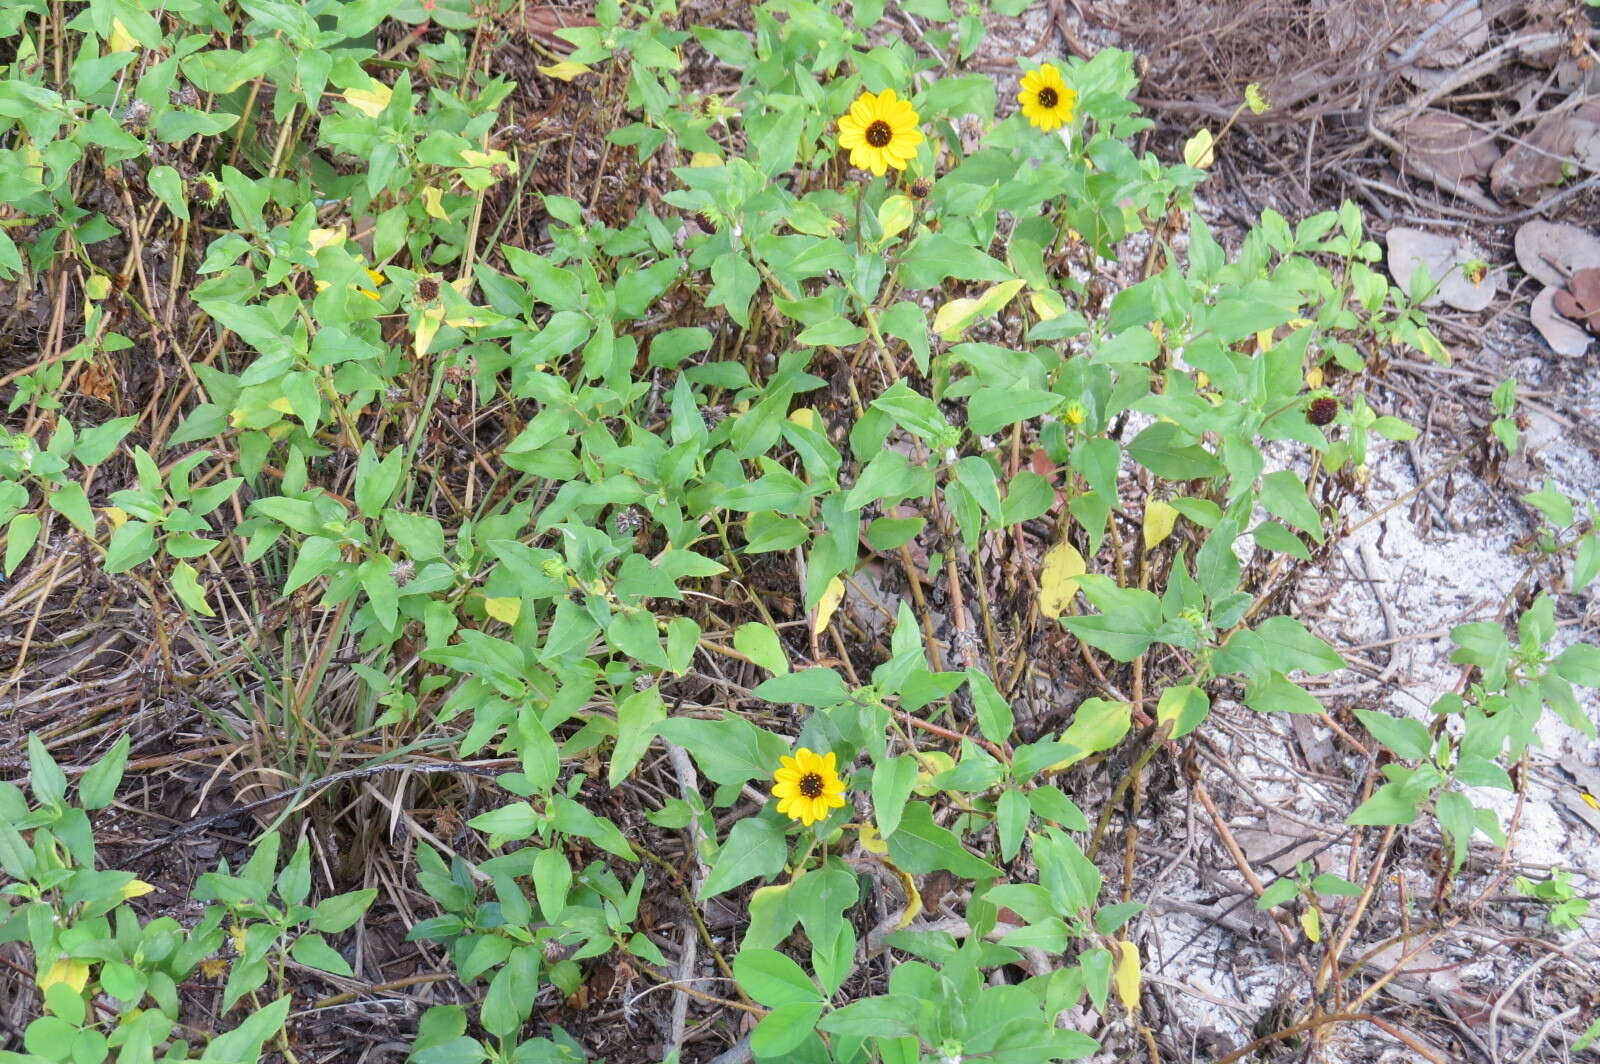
column 721, row 518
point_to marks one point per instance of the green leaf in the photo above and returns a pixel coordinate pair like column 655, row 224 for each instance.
column 244, row 1041
column 1406, row 738
column 1284, row 495
column 760, row 644
column 1289, row 646
column 892, row 781
column 1123, row 635
column 574, row 819
column 1011, row 819
column 516, row 820
column 637, row 717
column 784, row 1029
column 131, row 545
column 932, row 257
column 167, row 184
column 992, row 409
column 1390, row 804
column 1579, row 664
column 995, row 719
column 45, row 778
column 729, row 751
column 1168, row 451
column 1279, row 694
column 1130, row 346
column 1328, row 883
column 818, row 688
column 772, row 978
column 313, row 950
column 21, row 534
column 318, row 557
column 920, row 846
column 755, row 848
column 1050, row 803
column 1272, row 536
column 1456, row 820
column 1550, row 501
column 890, row 1016
column 99, row 785
column 376, row 480
column 340, row 912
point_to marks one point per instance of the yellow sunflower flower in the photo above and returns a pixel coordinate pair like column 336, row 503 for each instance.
column 879, row 132
column 1046, row 101
column 808, row 786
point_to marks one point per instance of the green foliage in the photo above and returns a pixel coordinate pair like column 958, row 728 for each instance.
column 666, row 383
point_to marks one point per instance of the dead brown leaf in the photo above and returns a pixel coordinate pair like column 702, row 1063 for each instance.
column 1563, row 336
column 1551, row 251
column 1540, row 161
column 1580, row 302
column 1447, row 149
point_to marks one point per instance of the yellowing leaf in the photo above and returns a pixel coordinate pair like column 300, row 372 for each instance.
column 566, row 70
column 895, row 215
column 1314, row 378
column 371, row 102
column 186, row 585
column 1127, row 974
column 135, row 888
column 120, row 39
column 1256, row 99
column 913, row 901
column 1264, row 340
column 281, row 405
column 832, row 595
column 702, row 159
column 872, row 840
column 805, row 417
column 1047, row 305
column 954, row 317
column 504, row 610
column 115, row 516
column 473, row 157
column 1198, row 151
column 97, row 287
column 1159, row 518
column 999, row 295
column 427, row 327
column 472, row 318
column 1311, row 924
column 323, row 238
column 69, row 970
column 1058, row 581
column 433, row 203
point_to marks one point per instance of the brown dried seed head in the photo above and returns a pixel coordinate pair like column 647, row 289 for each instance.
column 1322, row 410
column 428, row 288
column 920, row 188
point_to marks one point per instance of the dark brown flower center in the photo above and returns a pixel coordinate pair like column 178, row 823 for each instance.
column 1048, row 97
column 879, row 134
column 811, row 785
